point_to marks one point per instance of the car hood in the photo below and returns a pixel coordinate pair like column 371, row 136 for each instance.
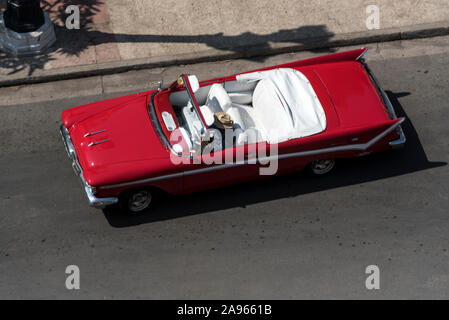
column 352, row 93
column 123, row 133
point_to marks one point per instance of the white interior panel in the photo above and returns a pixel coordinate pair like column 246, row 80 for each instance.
column 286, row 104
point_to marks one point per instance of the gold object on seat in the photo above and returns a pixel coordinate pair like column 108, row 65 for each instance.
column 223, row 121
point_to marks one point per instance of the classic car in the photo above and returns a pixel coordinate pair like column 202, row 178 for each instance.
column 311, row 112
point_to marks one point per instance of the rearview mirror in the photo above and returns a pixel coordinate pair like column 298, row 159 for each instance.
column 194, row 83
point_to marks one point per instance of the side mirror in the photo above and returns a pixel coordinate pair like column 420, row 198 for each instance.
column 194, row 83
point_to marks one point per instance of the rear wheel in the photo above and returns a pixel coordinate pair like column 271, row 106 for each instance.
column 136, row 201
column 322, row 167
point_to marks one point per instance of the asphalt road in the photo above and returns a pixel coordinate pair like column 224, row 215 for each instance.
column 288, row 237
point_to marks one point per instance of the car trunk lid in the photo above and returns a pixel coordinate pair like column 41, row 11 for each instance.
column 352, row 92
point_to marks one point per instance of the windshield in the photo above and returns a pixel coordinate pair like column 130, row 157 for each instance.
column 178, row 116
column 193, row 104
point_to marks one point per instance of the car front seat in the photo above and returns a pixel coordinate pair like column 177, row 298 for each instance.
column 218, row 100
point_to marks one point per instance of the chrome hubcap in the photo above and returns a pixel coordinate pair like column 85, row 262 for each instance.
column 323, row 166
column 139, row 201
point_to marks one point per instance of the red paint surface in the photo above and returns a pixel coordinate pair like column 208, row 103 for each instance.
column 352, row 105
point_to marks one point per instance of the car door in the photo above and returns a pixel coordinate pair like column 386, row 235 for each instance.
column 201, row 174
column 295, row 155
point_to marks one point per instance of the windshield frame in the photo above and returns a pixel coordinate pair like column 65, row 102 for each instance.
column 193, row 101
column 156, row 123
column 176, row 86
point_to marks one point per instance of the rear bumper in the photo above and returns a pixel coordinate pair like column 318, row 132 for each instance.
column 402, row 139
column 99, row 203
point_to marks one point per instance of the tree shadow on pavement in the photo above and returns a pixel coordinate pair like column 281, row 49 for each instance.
column 311, row 35
column 71, row 43
column 412, row 158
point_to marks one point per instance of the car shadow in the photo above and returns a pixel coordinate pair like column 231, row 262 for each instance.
column 411, row 158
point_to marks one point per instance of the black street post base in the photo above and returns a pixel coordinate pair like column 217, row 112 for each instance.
column 25, row 29
column 23, row 15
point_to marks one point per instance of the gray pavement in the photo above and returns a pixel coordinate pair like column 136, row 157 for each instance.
column 117, row 35
column 289, row 237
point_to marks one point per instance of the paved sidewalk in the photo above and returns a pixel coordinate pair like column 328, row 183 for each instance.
column 117, row 35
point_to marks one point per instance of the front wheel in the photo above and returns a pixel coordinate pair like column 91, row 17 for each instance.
column 136, row 201
column 322, row 167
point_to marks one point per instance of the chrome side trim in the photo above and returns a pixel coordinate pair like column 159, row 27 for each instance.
column 402, row 139
column 362, row 55
column 175, row 175
column 90, row 134
column 99, row 203
column 362, row 147
column 97, row 143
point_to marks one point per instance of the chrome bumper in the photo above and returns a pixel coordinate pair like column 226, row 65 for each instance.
column 99, row 203
column 402, row 139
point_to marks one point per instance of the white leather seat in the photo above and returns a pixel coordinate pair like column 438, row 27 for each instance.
column 218, row 100
column 242, row 97
column 272, row 114
column 286, row 105
column 208, row 115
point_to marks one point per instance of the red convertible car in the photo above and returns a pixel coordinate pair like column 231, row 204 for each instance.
column 302, row 114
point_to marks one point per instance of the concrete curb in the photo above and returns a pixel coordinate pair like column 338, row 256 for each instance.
column 339, row 40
